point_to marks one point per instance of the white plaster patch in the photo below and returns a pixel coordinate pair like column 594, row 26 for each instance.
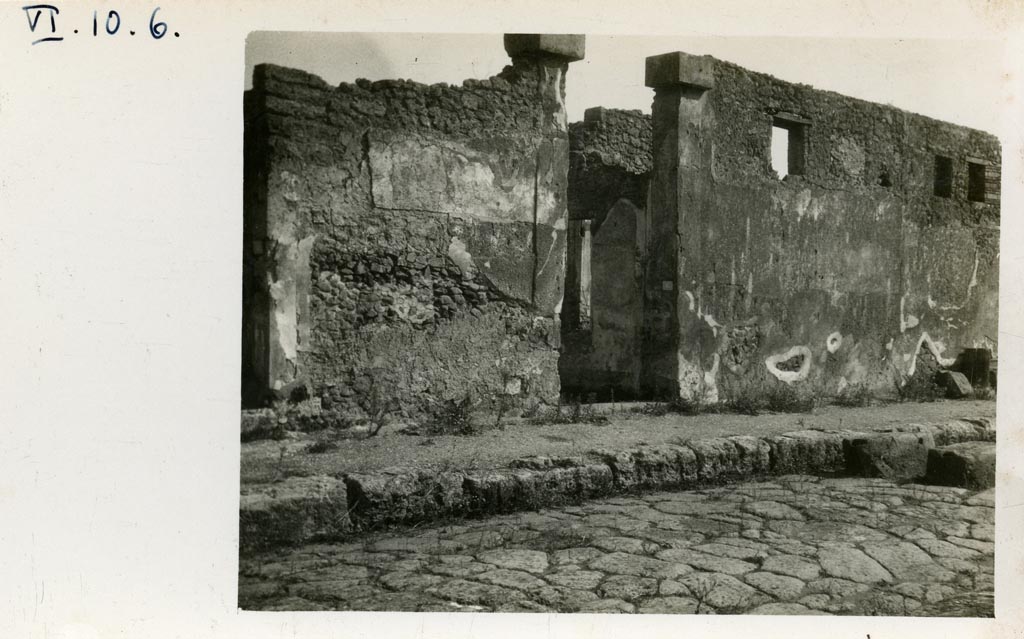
column 834, row 341
column 693, row 302
column 710, row 320
column 711, row 382
column 888, row 345
column 937, row 348
column 803, row 202
column 789, row 377
column 842, row 385
column 458, row 254
column 906, row 321
column 513, row 386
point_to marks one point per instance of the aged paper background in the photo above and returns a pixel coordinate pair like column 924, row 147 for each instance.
column 120, row 229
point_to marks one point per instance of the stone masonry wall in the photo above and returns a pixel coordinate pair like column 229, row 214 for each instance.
column 609, row 169
column 849, row 270
column 405, row 243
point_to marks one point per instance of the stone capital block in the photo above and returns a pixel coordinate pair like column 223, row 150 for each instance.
column 567, row 46
column 680, row 69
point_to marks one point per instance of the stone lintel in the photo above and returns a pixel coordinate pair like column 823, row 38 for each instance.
column 680, row 69
column 567, row 46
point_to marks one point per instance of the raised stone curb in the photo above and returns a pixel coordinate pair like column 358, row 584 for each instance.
column 293, row 510
column 967, row 464
column 302, row 509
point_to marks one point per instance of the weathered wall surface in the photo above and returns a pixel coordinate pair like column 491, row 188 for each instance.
column 603, row 306
column 841, row 274
column 406, row 242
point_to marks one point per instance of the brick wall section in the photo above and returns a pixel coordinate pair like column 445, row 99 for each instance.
column 404, row 242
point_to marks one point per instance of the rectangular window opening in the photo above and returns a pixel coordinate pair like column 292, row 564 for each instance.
column 789, row 141
column 943, row 176
column 976, row 181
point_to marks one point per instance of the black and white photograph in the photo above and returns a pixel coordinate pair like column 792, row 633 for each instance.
column 734, row 351
column 531, row 320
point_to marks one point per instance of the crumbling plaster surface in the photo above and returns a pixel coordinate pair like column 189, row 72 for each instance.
column 398, row 213
column 832, row 251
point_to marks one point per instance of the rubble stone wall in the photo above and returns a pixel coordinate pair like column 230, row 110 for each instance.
column 404, row 243
column 848, row 270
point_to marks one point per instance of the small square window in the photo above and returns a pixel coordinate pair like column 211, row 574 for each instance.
column 976, row 181
column 943, row 176
column 789, row 140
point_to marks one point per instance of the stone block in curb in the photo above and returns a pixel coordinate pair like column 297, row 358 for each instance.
column 296, row 510
column 894, row 456
column 651, row 467
column 965, row 465
column 403, row 497
column 809, row 452
column 718, row 459
column 960, row 430
column 507, row 491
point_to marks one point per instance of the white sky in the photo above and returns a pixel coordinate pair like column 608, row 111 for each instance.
column 956, row 80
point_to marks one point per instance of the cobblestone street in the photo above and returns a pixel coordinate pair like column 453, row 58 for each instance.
column 794, row 545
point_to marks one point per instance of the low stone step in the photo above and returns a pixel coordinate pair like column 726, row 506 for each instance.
column 966, row 465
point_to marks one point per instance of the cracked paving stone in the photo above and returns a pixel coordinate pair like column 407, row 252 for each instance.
column 985, row 547
column 296, row 603
column 580, row 555
column 579, row 579
column 837, row 587
column 469, row 592
column 621, row 563
column 626, row 544
column 939, row 548
column 852, row 564
column 522, row 606
column 906, row 561
column 563, row 599
column 731, row 551
column 528, row 560
column 670, row 587
column 816, row 601
column 722, row 591
column 773, row 510
column 703, row 561
column 981, row 532
column 777, row 586
column 783, row 609
column 510, row 579
column 792, row 566
column 608, row 605
column 671, row 538
column 669, row 606
column 404, row 580
column 627, row 587
column 818, row 531
column 337, row 590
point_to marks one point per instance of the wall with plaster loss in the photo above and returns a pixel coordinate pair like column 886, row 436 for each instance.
column 405, row 243
column 602, row 312
column 841, row 273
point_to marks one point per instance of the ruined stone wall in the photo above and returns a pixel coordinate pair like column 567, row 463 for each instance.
column 840, row 274
column 405, row 243
column 609, row 169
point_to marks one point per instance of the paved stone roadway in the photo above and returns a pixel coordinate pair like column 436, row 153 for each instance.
column 795, row 545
